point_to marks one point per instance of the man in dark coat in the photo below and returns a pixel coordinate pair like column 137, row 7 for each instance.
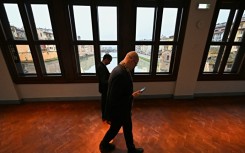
column 119, row 104
column 103, row 75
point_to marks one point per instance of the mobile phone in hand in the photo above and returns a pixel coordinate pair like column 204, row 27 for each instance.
column 142, row 89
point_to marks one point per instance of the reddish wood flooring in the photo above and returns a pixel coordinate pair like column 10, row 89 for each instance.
column 201, row 125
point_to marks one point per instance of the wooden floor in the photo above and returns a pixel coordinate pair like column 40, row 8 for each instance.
column 202, row 125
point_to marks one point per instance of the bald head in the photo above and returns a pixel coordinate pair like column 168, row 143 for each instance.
column 133, row 55
column 131, row 60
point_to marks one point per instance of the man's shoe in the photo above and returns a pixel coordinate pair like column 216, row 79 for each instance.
column 104, row 148
column 136, row 150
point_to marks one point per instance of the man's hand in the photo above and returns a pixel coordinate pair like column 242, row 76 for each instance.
column 136, row 93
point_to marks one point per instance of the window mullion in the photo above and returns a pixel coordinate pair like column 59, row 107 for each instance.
column 156, row 39
column 228, row 25
column 239, row 58
column 235, row 25
column 174, row 53
column 95, row 23
column 177, row 34
column 219, row 58
column 74, row 39
column 59, row 49
column 224, row 59
column 13, row 55
column 231, row 40
column 28, row 21
column 8, row 49
column 8, row 34
column 74, row 33
column 178, row 24
column 221, row 55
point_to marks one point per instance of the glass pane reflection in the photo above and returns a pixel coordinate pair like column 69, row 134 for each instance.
column 144, row 24
column 107, row 23
column 42, row 21
column 50, row 58
column 26, row 59
column 232, row 58
column 86, row 58
column 164, row 58
column 15, row 21
column 144, row 52
column 168, row 24
column 212, row 58
column 241, row 29
column 220, row 25
column 112, row 50
column 83, row 23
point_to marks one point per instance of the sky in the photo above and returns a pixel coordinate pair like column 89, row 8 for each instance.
column 13, row 15
column 223, row 16
column 42, row 19
column 145, row 20
column 107, row 20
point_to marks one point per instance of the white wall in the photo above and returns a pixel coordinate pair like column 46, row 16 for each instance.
column 220, row 87
column 7, row 87
column 185, row 86
column 194, row 43
column 51, row 91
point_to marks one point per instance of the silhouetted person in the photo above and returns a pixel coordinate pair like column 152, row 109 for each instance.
column 119, row 104
column 103, row 75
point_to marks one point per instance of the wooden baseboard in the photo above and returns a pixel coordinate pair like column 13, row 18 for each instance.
column 49, row 99
column 10, row 102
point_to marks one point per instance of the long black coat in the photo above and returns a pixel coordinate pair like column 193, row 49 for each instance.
column 119, row 95
column 103, row 75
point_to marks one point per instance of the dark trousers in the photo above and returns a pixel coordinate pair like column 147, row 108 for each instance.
column 103, row 102
column 115, row 126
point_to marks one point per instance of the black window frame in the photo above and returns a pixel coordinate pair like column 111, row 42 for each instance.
column 177, row 43
column 63, row 29
column 228, row 41
column 96, row 42
column 9, row 46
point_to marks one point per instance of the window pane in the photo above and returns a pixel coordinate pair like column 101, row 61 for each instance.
column 112, row 50
column 144, row 24
column 42, row 21
column 83, row 23
column 50, row 58
column 241, row 29
column 144, row 52
column 212, row 58
column 220, row 25
column 107, row 23
column 232, row 58
column 26, row 59
column 164, row 58
column 86, row 58
column 168, row 24
column 15, row 21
